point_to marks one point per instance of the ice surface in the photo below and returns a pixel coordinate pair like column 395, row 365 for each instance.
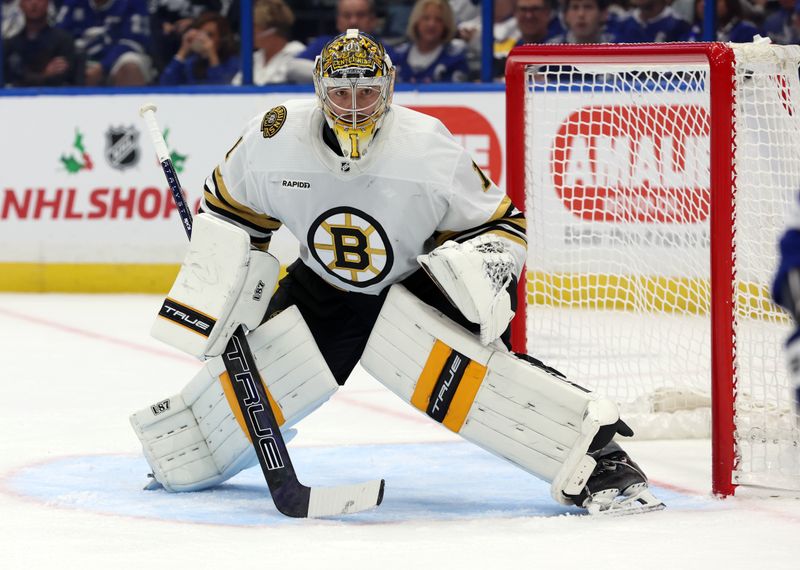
column 75, row 366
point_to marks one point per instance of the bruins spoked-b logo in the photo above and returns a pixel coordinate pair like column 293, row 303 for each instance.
column 122, row 147
column 351, row 246
column 273, row 121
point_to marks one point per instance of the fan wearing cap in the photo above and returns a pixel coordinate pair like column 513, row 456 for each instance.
column 409, row 259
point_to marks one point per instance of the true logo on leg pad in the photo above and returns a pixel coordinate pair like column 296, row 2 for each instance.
column 447, row 386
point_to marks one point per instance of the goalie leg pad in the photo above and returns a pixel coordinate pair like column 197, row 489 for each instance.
column 523, row 413
column 197, row 439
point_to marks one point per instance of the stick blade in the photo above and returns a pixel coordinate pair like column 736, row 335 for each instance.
column 346, row 499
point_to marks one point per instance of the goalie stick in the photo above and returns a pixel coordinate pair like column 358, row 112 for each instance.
column 290, row 496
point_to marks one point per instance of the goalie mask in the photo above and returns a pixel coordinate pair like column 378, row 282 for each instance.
column 354, row 81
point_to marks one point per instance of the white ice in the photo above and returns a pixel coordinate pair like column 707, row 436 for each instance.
column 75, row 366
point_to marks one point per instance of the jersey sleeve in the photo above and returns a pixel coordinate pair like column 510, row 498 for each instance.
column 228, row 194
column 477, row 206
column 788, row 255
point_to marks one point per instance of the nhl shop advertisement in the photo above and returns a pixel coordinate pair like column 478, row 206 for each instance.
column 86, row 188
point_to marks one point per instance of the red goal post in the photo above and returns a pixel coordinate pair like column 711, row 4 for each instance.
column 655, row 179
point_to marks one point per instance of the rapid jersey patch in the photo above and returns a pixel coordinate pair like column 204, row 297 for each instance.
column 351, row 245
column 273, row 121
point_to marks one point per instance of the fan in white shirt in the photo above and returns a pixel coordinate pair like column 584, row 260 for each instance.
column 275, row 52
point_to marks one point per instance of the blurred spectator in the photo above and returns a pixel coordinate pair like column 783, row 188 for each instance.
column 504, row 28
column 169, row 19
column 232, row 11
column 464, row 10
column 781, row 25
column 651, row 21
column 13, row 19
column 534, row 19
column 432, row 55
column 272, row 28
column 114, row 35
column 207, row 55
column 359, row 14
column 557, row 27
column 39, row 54
column 731, row 27
column 313, row 18
column 586, row 23
column 505, row 33
column 683, row 9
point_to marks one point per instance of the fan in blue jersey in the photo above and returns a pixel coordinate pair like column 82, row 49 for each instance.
column 585, row 22
column 207, row 54
column 114, row 35
column 786, row 291
column 651, row 21
column 432, row 55
column 731, row 25
column 357, row 14
column 537, row 22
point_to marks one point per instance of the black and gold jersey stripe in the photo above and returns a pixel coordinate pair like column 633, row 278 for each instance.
column 507, row 222
column 217, row 199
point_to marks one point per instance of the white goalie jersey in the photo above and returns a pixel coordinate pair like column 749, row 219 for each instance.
column 361, row 224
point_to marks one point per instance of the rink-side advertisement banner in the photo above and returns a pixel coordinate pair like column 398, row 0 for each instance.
column 628, row 182
column 82, row 191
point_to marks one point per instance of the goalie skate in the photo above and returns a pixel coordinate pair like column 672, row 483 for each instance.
column 617, row 486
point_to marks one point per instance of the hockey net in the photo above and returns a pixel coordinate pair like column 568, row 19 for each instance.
column 656, row 180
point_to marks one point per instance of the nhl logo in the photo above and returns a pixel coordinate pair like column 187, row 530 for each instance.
column 122, row 147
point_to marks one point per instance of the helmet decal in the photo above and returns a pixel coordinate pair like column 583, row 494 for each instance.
column 352, row 55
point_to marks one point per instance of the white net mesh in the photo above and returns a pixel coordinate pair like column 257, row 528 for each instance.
column 617, row 198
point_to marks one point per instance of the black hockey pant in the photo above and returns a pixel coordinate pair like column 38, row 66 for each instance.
column 341, row 321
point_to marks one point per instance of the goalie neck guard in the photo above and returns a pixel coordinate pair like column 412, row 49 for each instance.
column 354, row 82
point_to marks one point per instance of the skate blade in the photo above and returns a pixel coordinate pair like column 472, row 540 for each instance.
column 637, row 499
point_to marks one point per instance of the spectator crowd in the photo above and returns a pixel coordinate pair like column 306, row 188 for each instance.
column 196, row 42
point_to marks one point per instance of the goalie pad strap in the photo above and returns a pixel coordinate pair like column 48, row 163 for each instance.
column 518, row 411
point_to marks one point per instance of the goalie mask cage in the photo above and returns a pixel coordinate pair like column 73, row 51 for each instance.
column 656, row 180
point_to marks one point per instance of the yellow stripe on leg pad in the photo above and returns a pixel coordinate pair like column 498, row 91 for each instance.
column 434, row 378
column 227, row 387
column 429, row 376
column 464, row 396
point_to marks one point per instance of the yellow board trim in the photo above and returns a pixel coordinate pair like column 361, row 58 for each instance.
column 90, row 277
column 645, row 294
column 429, row 375
column 464, row 396
column 227, row 387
